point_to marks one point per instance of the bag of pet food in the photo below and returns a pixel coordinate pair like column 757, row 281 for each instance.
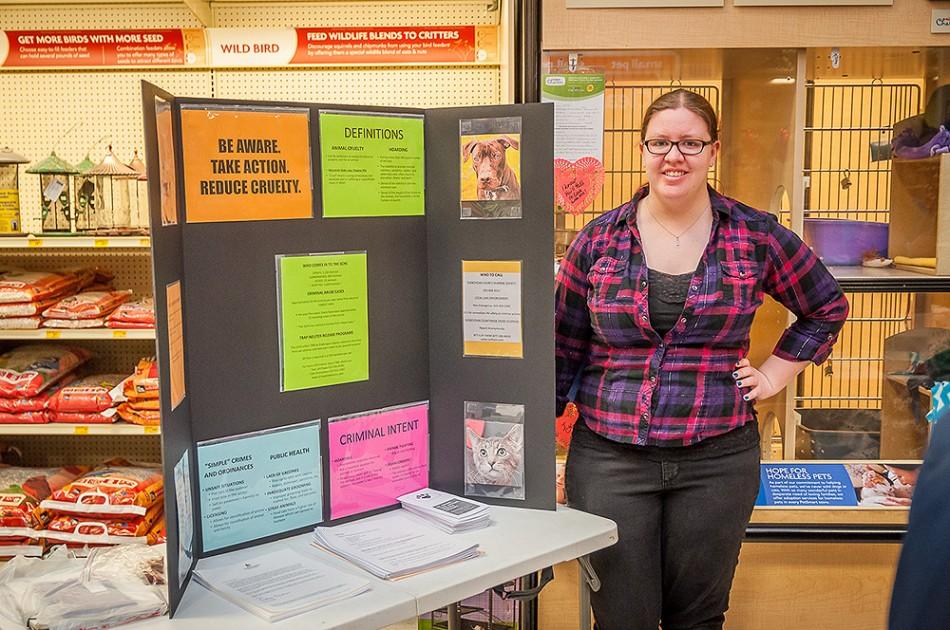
column 141, row 311
column 89, row 394
column 24, row 417
column 144, row 382
column 85, row 275
column 108, row 416
column 96, row 322
column 71, row 528
column 143, row 417
column 26, row 309
column 34, row 403
column 33, row 286
column 87, row 305
column 26, row 371
column 113, row 490
column 21, row 491
column 157, row 535
column 21, row 323
column 144, row 404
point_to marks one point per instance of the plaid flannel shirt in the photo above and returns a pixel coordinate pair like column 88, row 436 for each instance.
column 637, row 387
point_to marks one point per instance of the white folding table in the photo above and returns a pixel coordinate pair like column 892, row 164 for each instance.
column 518, row 542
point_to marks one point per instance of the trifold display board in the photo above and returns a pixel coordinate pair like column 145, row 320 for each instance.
column 352, row 302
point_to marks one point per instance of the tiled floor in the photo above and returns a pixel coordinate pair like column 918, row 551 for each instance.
column 405, row 625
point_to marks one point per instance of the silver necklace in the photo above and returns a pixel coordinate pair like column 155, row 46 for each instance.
column 676, row 237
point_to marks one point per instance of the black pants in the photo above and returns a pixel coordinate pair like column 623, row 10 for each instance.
column 681, row 513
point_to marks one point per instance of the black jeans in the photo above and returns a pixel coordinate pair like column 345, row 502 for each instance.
column 681, row 513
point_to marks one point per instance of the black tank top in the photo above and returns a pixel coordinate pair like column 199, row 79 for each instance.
column 667, row 296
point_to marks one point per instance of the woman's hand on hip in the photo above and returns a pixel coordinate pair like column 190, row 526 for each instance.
column 753, row 384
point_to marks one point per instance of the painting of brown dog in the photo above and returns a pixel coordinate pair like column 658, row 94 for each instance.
column 495, row 178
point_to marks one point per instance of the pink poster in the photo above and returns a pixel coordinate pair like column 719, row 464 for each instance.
column 376, row 457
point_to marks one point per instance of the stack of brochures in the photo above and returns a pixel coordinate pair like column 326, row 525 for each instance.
column 393, row 545
column 448, row 512
column 277, row 584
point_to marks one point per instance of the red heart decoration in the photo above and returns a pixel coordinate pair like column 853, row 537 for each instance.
column 577, row 184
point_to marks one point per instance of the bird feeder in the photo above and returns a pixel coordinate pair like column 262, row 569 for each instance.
column 55, row 193
column 139, row 192
column 10, row 190
column 113, row 207
column 84, row 185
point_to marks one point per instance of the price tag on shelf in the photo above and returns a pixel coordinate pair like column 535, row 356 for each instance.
column 150, row 430
column 54, row 334
column 144, row 242
column 34, row 242
column 100, row 242
column 81, row 430
column 120, row 334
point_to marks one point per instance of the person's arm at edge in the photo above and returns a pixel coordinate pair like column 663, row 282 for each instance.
column 798, row 280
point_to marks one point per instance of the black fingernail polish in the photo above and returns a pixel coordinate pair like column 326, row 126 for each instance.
column 735, row 375
column 746, row 397
column 738, row 383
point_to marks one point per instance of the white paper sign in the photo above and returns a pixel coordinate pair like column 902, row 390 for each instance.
column 578, row 114
column 491, row 308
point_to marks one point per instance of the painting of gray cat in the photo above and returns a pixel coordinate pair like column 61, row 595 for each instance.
column 494, row 459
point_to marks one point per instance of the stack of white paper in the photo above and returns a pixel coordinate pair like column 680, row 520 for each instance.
column 277, row 584
column 393, row 544
column 448, row 512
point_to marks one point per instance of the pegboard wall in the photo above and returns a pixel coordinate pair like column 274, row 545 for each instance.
column 132, row 267
column 80, row 112
column 77, row 113
column 379, row 13
column 87, row 450
column 416, row 87
column 109, row 356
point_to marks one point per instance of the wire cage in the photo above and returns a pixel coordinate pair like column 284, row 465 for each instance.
column 848, row 131
column 485, row 611
column 624, row 105
column 847, row 175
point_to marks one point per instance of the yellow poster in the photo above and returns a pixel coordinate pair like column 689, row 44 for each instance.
column 9, row 210
column 491, row 308
column 176, row 344
column 246, row 165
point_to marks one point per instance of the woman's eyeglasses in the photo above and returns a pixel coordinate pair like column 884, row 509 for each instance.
column 662, row 146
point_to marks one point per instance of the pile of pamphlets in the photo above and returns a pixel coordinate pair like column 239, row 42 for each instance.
column 448, row 512
column 278, row 584
column 393, row 544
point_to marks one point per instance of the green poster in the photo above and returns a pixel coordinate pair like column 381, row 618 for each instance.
column 323, row 314
column 372, row 165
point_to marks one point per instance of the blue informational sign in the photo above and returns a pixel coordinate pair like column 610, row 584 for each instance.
column 259, row 484
column 806, row 485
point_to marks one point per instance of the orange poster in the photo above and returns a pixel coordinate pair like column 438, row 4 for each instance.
column 176, row 343
column 246, row 165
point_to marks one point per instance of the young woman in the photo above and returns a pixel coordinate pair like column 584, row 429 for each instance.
column 654, row 304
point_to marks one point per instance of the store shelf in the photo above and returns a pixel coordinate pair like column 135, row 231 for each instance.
column 82, row 333
column 52, row 241
column 873, row 279
column 119, row 428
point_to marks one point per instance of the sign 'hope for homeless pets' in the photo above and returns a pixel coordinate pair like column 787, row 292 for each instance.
column 246, row 165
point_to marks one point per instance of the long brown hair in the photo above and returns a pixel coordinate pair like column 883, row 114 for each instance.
column 688, row 100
